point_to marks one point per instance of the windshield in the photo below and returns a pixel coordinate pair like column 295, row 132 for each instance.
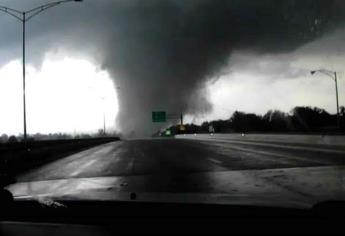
column 198, row 101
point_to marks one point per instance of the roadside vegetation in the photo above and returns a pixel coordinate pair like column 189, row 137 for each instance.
column 299, row 120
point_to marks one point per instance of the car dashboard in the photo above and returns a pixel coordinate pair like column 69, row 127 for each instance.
column 135, row 217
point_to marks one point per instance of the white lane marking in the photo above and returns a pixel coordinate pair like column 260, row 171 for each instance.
column 130, row 164
column 215, row 161
column 83, row 167
column 305, row 148
column 298, row 158
column 50, row 169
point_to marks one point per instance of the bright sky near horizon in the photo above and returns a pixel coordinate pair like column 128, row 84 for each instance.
column 68, row 95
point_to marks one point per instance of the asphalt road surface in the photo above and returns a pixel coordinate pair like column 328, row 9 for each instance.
column 306, row 172
column 180, row 156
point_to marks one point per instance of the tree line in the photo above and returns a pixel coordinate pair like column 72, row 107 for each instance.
column 299, row 119
column 4, row 138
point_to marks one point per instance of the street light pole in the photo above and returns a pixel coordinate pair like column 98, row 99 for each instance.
column 104, row 131
column 104, row 122
column 333, row 75
column 24, row 99
column 336, row 93
column 24, row 16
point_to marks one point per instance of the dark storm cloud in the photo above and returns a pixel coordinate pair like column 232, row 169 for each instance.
column 161, row 53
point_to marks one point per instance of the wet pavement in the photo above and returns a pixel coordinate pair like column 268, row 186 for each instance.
column 222, row 169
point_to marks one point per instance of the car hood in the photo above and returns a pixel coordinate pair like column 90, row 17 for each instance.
column 289, row 187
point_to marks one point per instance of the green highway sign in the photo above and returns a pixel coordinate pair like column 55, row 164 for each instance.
column 159, row 116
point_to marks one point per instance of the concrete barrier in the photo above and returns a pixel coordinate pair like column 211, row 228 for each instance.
column 337, row 140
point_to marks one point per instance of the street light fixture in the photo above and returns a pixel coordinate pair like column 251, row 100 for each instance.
column 25, row 16
column 333, row 76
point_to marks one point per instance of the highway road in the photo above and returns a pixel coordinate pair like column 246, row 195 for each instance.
column 196, row 165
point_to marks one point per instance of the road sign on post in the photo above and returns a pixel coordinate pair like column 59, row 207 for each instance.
column 159, row 116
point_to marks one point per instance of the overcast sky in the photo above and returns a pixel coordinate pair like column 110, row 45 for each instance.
column 205, row 59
